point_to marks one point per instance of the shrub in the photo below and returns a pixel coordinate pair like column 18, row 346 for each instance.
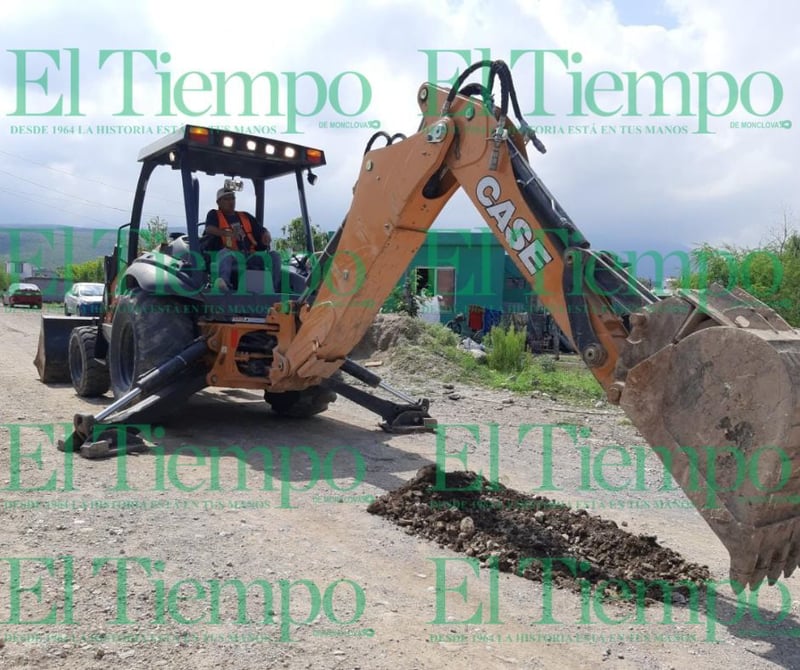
column 506, row 349
column 402, row 300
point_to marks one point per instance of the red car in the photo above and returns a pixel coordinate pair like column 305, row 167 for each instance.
column 23, row 294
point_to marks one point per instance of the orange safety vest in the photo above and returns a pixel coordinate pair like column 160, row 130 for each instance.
column 232, row 243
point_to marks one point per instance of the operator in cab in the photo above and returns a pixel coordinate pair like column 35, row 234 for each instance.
column 233, row 235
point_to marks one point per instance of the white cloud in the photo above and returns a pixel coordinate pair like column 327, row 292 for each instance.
column 623, row 190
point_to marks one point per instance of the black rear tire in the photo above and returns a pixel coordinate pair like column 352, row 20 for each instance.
column 89, row 376
column 300, row 404
column 146, row 331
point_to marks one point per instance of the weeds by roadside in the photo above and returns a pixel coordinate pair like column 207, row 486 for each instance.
column 432, row 351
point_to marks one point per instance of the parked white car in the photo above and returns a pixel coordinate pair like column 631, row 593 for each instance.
column 84, row 299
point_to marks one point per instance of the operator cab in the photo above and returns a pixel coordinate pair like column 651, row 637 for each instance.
column 182, row 266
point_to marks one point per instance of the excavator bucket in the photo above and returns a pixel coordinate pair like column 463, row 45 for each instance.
column 715, row 390
column 52, row 355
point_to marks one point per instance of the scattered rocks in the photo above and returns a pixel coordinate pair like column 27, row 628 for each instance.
column 467, row 526
column 505, row 528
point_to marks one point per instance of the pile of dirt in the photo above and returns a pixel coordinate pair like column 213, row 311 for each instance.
column 504, row 528
column 386, row 332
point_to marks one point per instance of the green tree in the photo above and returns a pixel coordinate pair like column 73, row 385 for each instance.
column 713, row 265
column 90, row 271
column 770, row 273
column 4, row 279
column 293, row 237
column 792, row 247
column 154, row 234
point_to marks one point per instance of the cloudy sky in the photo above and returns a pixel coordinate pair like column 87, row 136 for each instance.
column 726, row 173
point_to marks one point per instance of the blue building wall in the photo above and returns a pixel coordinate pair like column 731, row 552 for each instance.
column 468, row 268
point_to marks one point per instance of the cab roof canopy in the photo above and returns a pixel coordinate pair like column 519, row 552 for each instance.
column 214, row 151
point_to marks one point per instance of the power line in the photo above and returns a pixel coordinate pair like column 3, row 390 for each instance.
column 93, row 203
column 26, row 196
column 72, row 174
column 55, row 190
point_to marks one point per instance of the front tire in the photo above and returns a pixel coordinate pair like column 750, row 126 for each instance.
column 89, row 376
column 146, row 331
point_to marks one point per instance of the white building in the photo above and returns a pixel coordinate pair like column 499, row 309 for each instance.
column 18, row 271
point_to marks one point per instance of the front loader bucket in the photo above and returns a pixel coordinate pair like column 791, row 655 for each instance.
column 52, row 355
column 721, row 408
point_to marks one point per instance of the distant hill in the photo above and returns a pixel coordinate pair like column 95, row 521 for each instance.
column 52, row 247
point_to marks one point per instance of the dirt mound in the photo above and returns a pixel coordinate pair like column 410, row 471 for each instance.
column 385, row 332
column 497, row 524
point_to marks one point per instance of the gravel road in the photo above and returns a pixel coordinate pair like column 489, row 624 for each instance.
column 242, row 540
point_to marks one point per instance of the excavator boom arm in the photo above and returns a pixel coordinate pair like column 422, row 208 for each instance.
column 709, row 379
column 400, row 192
